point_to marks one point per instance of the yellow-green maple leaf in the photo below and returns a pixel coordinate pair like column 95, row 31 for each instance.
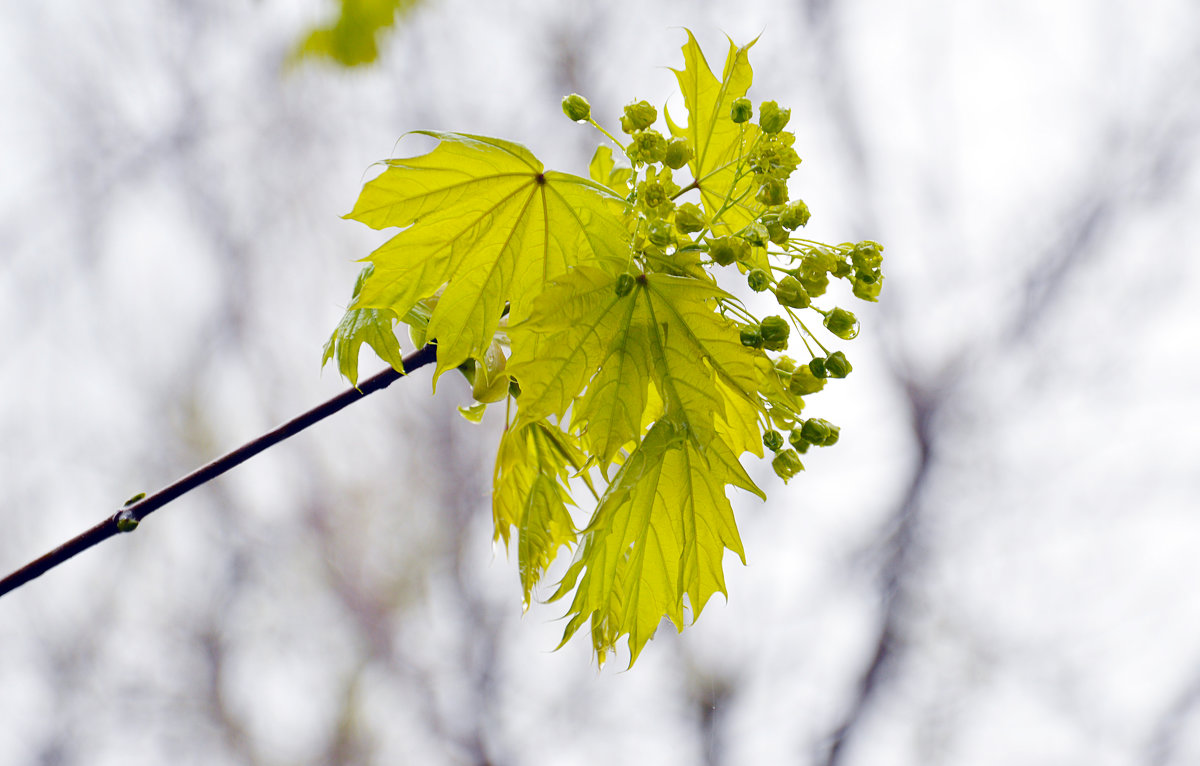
column 529, row 493
column 371, row 326
column 694, row 348
column 604, row 171
column 717, row 140
column 487, row 226
column 352, row 39
column 664, row 332
column 659, row 533
column 737, row 424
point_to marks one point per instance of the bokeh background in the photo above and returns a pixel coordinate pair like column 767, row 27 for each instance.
column 997, row 564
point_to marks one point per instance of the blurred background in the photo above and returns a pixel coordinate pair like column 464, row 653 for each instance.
column 997, row 564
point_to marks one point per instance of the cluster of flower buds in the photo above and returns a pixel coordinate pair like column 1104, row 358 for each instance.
column 812, row 432
column 799, row 380
column 682, row 237
column 649, row 147
column 769, row 163
column 786, row 461
column 664, row 228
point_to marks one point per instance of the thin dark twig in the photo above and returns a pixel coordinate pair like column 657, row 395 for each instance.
column 127, row 518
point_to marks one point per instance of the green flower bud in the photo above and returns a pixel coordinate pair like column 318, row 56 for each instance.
column 841, row 269
column 638, row 116
column 755, row 233
column 841, row 323
column 867, row 291
column 803, row 382
column 741, row 248
column 812, row 275
column 820, row 260
column 126, row 522
column 659, row 233
column 795, row 215
column 722, row 250
column 772, row 192
column 771, row 118
column 624, row 285
column 775, row 331
column 758, row 280
column 789, row 292
column 837, row 365
column 576, row 107
column 796, row 441
column 689, row 218
column 787, row 464
column 679, row 152
column 773, row 440
column 649, row 146
column 785, row 364
column 817, row 368
column 751, row 337
column 742, row 110
column 867, row 255
column 774, row 158
column 814, row 284
column 652, row 195
column 815, row 431
column 832, row 439
column 820, row 432
column 777, row 234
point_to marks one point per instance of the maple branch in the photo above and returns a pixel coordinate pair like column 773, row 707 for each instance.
column 127, row 518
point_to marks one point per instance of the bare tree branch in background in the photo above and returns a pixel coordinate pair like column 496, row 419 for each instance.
column 1172, row 724
column 900, row 546
column 712, row 695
